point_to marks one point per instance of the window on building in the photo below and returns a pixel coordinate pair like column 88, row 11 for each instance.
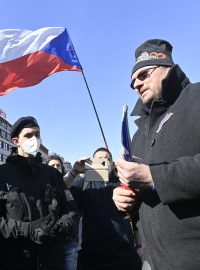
column 1, row 144
column 8, row 147
column 3, row 133
column 5, row 146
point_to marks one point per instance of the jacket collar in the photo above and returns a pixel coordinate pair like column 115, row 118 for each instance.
column 25, row 163
column 172, row 86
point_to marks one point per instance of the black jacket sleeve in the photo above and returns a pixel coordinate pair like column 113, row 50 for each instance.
column 69, row 213
column 77, row 191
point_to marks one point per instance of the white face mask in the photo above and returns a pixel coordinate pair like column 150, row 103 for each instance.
column 31, row 146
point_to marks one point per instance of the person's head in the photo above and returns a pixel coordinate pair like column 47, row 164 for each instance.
column 103, row 154
column 56, row 161
column 153, row 62
column 25, row 135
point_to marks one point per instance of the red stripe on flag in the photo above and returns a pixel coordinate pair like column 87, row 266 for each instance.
column 30, row 70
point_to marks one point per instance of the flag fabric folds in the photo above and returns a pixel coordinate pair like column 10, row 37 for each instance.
column 125, row 136
column 27, row 57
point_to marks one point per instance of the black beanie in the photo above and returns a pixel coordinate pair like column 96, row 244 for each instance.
column 23, row 122
column 144, row 54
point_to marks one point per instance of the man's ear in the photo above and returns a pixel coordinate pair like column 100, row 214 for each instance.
column 15, row 141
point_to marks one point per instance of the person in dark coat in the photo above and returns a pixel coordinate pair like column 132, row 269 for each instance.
column 107, row 241
column 35, row 215
column 167, row 144
column 71, row 245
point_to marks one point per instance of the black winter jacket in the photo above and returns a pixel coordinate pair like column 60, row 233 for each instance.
column 107, row 238
column 168, row 139
column 25, row 196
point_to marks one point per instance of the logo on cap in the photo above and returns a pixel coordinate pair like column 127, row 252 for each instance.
column 146, row 56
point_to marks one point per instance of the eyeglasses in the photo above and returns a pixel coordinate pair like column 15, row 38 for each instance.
column 143, row 75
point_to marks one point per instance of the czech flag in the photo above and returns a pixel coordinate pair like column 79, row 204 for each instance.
column 125, row 136
column 27, row 57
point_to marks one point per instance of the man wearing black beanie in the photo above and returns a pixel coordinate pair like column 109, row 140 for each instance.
column 35, row 216
column 167, row 144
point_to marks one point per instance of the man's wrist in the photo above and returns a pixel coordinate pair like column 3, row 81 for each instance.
column 73, row 173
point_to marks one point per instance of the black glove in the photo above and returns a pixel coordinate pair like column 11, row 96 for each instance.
column 61, row 230
column 35, row 230
column 40, row 228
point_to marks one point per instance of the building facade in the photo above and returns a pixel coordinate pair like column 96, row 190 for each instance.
column 67, row 165
column 5, row 139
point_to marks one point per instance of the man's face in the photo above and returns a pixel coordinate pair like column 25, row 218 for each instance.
column 147, row 81
column 26, row 133
column 103, row 156
column 56, row 164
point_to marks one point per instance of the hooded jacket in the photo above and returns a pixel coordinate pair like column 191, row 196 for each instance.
column 168, row 139
column 27, row 189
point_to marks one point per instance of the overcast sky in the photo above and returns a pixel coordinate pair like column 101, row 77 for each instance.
column 105, row 34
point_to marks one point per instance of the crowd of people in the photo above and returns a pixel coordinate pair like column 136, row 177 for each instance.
column 144, row 216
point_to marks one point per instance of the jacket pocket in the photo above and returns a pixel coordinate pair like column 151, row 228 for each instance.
column 16, row 205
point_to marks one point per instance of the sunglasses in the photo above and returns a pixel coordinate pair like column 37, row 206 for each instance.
column 143, row 75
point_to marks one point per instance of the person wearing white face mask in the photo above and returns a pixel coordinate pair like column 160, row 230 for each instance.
column 26, row 136
column 36, row 217
column 31, row 146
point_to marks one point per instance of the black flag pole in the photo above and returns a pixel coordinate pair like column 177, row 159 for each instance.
column 95, row 109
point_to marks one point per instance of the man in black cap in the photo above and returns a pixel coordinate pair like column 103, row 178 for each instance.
column 167, row 144
column 35, row 215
